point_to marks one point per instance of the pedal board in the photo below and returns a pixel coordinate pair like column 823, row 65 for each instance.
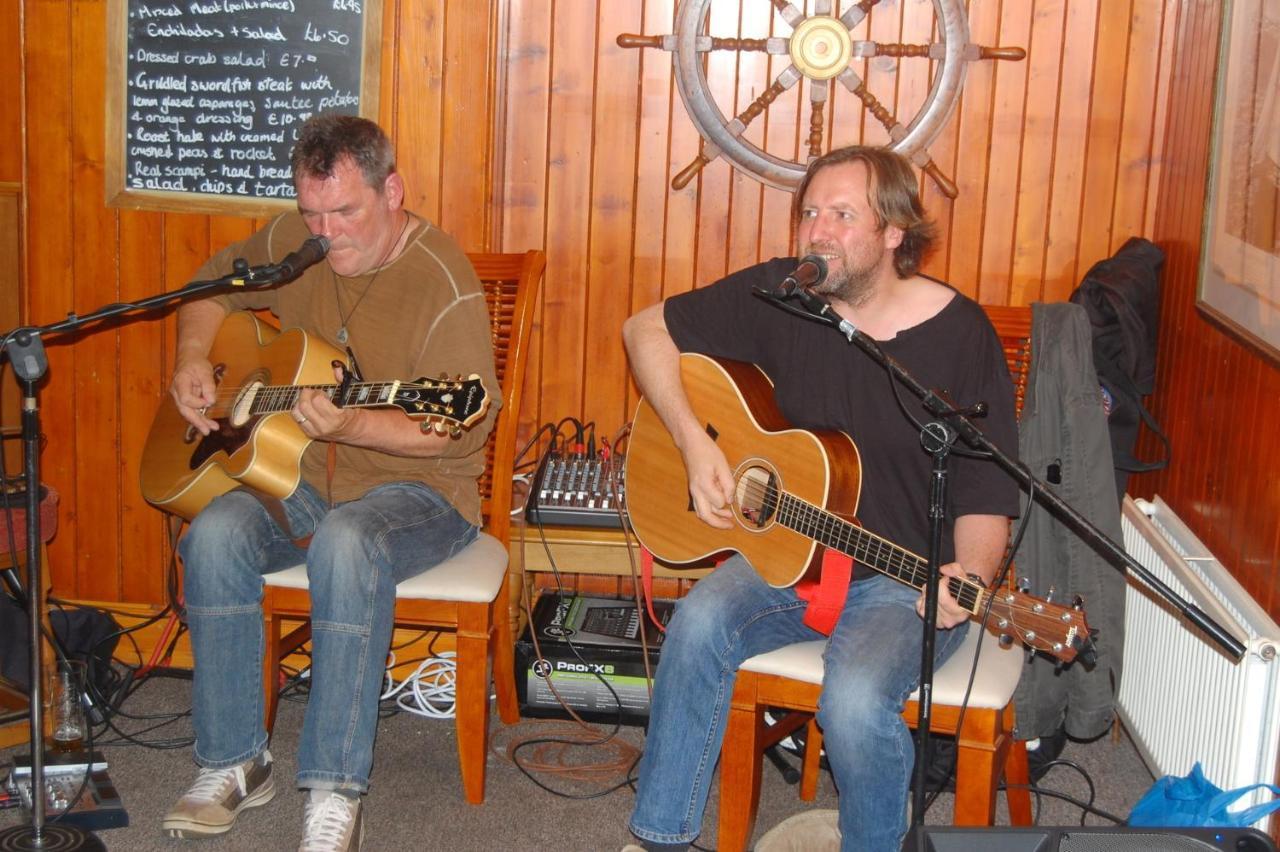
column 98, row 807
column 577, row 490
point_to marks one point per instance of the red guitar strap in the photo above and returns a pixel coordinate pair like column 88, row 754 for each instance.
column 826, row 594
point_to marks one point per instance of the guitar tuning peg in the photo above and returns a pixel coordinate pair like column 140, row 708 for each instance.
column 1005, row 640
column 455, row 432
column 1024, row 585
column 1078, row 603
column 1053, row 590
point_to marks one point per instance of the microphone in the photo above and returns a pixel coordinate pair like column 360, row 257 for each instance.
column 308, row 254
column 809, row 272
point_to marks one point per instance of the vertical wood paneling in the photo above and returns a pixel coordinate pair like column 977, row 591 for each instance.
column 95, row 374
column 104, row 387
column 1106, row 118
column 466, row 107
column 1013, row 90
column 654, row 197
column 1217, row 398
column 713, row 183
column 612, row 216
column 1085, row 128
column 48, row 74
column 1141, row 114
column 10, row 90
column 754, row 76
column 1036, row 171
column 1059, row 159
column 145, row 350
column 419, row 110
column 573, row 53
column 526, row 110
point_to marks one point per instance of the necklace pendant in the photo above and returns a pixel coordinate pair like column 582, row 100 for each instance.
column 342, row 334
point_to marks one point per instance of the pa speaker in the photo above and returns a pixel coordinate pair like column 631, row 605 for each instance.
column 1090, row 839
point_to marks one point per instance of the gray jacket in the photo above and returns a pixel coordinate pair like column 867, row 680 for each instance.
column 1063, row 426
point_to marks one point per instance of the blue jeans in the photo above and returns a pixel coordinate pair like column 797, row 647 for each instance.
column 872, row 664
column 359, row 551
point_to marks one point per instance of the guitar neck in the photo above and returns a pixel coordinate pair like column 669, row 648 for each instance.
column 273, row 398
column 870, row 550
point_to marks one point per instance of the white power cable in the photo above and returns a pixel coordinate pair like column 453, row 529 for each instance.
column 430, row 690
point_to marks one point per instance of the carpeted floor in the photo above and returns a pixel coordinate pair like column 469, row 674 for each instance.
column 416, row 801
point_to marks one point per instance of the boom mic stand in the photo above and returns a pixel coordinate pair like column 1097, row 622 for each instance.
column 946, row 414
column 25, row 349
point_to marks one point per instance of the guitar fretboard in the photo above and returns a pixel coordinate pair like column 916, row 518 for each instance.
column 867, row 548
column 272, row 398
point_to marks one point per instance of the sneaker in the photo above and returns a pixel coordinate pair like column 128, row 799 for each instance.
column 218, row 796
column 332, row 823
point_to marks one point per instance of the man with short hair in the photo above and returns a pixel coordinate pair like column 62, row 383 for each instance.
column 383, row 497
column 858, row 208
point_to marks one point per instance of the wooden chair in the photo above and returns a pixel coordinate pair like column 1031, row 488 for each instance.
column 469, row 593
column 790, row 679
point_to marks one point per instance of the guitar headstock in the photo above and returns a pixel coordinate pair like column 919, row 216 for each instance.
column 456, row 403
column 1060, row 631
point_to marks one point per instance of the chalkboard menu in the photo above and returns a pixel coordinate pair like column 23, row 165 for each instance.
column 207, row 95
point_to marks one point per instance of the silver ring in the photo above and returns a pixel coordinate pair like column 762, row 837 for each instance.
column 302, row 419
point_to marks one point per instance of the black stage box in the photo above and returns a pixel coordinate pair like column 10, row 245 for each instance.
column 1087, row 839
column 589, row 648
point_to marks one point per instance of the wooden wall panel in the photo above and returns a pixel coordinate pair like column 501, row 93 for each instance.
column 79, row 254
column 10, row 91
column 93, row 377
column 1030, row 145
column 521, row 124
column 48, row 64
column 1217, row 398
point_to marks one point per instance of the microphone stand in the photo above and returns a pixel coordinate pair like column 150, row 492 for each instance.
column 953, row 420
column 25, row 349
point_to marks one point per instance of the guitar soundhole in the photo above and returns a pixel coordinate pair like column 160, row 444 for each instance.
column 242, row 407
column 757, row 496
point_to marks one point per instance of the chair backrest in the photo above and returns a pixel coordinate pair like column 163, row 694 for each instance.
column 510, row 290
column 1013, row 327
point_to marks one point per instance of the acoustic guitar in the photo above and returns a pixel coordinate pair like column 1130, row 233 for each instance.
column 258, row 443
column 796, row 491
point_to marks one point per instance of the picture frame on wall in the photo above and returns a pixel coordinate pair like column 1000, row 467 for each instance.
column 1239, row 280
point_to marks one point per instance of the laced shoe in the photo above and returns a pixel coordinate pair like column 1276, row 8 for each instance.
column 332, row 823
column 218, row 796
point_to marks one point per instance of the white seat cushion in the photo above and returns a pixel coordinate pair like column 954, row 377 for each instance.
column 998, row 669
column 473, row 575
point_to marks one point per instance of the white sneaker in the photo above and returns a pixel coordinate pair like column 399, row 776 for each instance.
column 332, row 823
column 218, row 796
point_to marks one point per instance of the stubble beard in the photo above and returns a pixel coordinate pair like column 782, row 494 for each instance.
column 853, row 285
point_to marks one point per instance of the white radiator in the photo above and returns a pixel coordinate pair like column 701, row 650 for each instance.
column 1181, row 698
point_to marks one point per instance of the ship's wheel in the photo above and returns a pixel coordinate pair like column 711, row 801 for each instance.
column 822, row 49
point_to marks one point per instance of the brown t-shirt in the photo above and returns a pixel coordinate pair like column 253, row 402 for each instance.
column 421, row 315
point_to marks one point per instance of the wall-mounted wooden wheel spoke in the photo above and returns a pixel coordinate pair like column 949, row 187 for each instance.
column 821, row 49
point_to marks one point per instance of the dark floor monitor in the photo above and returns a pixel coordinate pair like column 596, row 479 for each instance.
column 1090, row 839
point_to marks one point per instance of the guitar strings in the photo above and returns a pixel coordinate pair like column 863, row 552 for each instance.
column 824, row 526
column 286, row 395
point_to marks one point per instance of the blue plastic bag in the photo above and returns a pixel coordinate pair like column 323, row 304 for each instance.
column 1194, row 800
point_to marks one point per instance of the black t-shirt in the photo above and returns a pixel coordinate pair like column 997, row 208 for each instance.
column 821, row 381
